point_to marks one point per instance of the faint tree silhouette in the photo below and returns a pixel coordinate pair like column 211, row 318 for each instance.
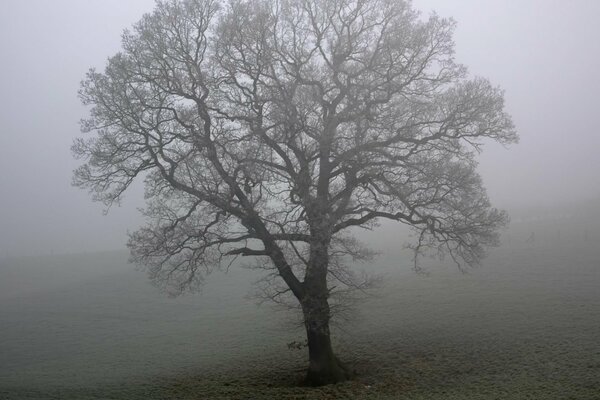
column 273, row 129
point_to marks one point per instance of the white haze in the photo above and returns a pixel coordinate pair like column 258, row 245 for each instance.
column 544, row 53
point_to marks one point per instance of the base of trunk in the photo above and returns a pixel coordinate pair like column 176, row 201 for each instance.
column 327, row 372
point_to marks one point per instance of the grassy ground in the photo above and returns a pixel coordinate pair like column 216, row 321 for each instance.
column 526, row 325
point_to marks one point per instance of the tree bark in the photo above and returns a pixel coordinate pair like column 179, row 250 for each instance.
column 324, row 367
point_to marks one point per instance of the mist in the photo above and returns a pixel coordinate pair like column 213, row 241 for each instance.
column 542, row 53
column 47, row 47
column 63, row 256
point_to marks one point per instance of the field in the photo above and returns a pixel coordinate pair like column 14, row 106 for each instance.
column 524, row 325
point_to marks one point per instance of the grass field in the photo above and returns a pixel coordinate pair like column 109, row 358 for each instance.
column 524, row 325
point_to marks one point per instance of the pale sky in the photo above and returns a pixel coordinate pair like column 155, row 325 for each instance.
column 544, row 53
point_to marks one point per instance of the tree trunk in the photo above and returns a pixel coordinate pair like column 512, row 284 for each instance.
column 324, row 367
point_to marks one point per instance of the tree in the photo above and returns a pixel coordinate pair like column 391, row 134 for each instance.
column 276, row 129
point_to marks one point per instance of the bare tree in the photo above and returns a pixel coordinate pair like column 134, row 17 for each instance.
column 275, row 128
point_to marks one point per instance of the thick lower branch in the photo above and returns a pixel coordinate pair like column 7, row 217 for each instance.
column 246, row 251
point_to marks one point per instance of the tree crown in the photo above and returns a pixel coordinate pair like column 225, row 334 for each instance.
column 270, row 128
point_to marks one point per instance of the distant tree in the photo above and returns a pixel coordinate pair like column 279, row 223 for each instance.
column 274, row 129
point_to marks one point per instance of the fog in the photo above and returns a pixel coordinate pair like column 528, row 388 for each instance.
column 78, row 321
column 544, row 54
